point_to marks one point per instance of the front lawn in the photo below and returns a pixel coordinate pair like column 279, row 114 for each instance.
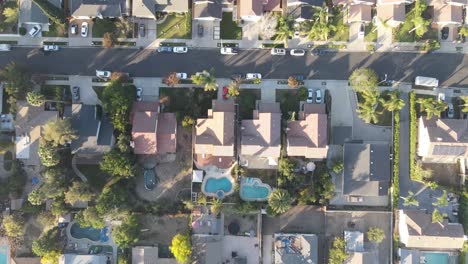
column 120, row 27
column 229, row 28
column 403, row 34
column 246, row 99
column 57, row 30
column 186, row 102
column 370, row 33
column 175, row 26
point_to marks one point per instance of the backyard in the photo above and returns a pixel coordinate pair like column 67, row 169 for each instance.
column 160, row 230
column 120, row 27
column 193, row 102
column 246, row 99
column 9, row 13
column 229, row 28
column 175, row 26
column 96, row 178
column 267, row 176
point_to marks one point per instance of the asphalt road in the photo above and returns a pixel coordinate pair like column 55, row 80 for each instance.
column 450, row 69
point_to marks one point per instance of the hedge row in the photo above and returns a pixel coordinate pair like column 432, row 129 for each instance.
column 412, row 136
column 396, row 160
column 52, row 12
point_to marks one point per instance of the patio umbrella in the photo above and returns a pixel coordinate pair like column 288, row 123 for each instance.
column 310, row 166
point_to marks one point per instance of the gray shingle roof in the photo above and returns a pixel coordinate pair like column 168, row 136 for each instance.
column 92, row 8
column 207, row 9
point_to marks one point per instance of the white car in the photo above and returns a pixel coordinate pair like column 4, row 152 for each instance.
column 318, row 96
column 297, row 52
column 180, row 49
column 229, row 51
column 84, row 29
column 51, row 48
column 310, row 96
column 278, row 51
column 450, row 111
column 35, row 30
column 181, row 75
column 139, row 92
column 362, row 31
column 441, row 97
column 251, row 76
column 103, row 74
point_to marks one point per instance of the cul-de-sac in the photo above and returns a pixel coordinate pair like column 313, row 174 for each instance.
column 233, row 132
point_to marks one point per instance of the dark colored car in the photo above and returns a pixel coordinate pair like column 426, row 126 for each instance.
column 317, row 52
column 165, row 49
column 142, row 30
column 200, row 30
column 444, row 33
column 76, row 93
column 299, row 77
column 150, row 179
column 225, row 92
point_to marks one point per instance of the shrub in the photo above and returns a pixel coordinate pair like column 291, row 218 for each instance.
column 108, row 40
column 412, row 138
column 22, row 31
column 396, row 160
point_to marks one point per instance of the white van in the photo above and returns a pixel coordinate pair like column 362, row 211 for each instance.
column 5, row 47
column 426, row 81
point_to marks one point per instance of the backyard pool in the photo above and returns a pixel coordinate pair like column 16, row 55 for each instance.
column 435, row 257
column 218, row 187
column 93, row 234
column 4, row 252
column 252, row 189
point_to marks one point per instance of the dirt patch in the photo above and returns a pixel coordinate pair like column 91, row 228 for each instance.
column 161, row 229
column 446, row 174
column 32, row 233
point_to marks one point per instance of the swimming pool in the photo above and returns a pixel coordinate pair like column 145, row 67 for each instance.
column 218, row 186
column 4, row 252
column 435, row 257
column 90, row 233
column 252, row 189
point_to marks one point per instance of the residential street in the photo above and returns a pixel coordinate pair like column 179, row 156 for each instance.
column 450, row 69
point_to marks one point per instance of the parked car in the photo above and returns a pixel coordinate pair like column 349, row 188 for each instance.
column 103, row 74
column 200, row 73
column 180, row 49
column 299, row 77
column 165, row 49
column 200, row 30
column 362, row 31
column 181, row 75
column 142, row 30
column 225, row 92
column 441, row 97
column 251, row 76
column 278, row 51
column 450, row 111
column 139, row 92
column 5, row 47
column 426, row 81
column 74, row 29
column 149, row 176
column 444, row 33
column 310, row 96
column 76, row 93
column 318, row 96
column 297, row 52
column 51, row 47
column 35, row 30
column 317, row 52
column 229, row 51
column 84, row 29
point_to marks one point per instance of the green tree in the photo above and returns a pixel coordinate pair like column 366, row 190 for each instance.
column 206, row 79
column 337, row 166
column 363, row 79
column 337, row 254
column 49, row 241
column 216, row 206
column 410, row 200
column 280, row 201
column 59, row 133
column 108, row 40
column 181, row 248
column 375, row 234
column 171, row 79
column 35, row 98
column 13, row 226
column 187, row 122
column 123, row 143
column 442, row 200
column 293, row 82
column 286, row 167
column 79, row 192
column 302, row 93
column 52, row 257
column 431, row 106
column 284, row 29
column 11, row 15
column 48, row 154
column 464, row 98
column 127, row 233
column 367, row 113
column 118, row 164
column 437, row 217
column 307, row 196
column 233, row 89
column 117, row 100
column 393, row 103
column 90, row 217
column 110, row 199
column 17, row 78
column 463, row 31
column 322, row 27
column 36, row 197
column 420, row 23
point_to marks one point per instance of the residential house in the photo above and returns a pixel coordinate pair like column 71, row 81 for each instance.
column 307, row 137
column 253, row 10
column 25, row 260
column 415, row 256
column 152, row 132
column 29, row 126
column 79, row 259
column 442, row 140
column 214, row 136
column 359, row 11
column 301, row 10
column 95, row 133
column 87, row 9
column 366, row 175
column 261, row 137
column 357, row 254
column 418, row 231
column 207, row 10
column 295, row 248
column 147, row 255
column 31, row 14
column 392, row 12
column 148, row 8
column 447, row 13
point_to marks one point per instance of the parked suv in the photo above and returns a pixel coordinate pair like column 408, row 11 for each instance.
column 35, row 30
column 297, row 52
column 165, row 49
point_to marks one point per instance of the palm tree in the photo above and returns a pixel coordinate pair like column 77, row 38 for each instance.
column 206, row 79
column 321, row 27
column 284, row 30
column 233, row 89
column 464, row 98
column 420, row 24
column 431, row 106
column 410, row 200
column 394, row 103
column 280, row 201
column 367, row 113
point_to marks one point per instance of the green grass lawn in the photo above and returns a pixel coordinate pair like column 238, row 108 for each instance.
column 175, row 26
column 96, row 178
column 184, row 101
column 57, row 30
column 370, row 33
column 229, row 28
column 101, row 26
column 246, row 99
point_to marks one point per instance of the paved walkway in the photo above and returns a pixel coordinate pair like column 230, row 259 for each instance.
column 77, row 171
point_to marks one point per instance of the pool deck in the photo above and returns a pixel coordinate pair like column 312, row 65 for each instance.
column 213, row 172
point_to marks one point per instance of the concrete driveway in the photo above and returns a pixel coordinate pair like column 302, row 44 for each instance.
column 87, row 93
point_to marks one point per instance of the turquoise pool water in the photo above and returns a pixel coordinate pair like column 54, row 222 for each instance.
column 4, row 254
column 436, row 257
column 85, row 232
column 252, row 189
column 218, row 186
